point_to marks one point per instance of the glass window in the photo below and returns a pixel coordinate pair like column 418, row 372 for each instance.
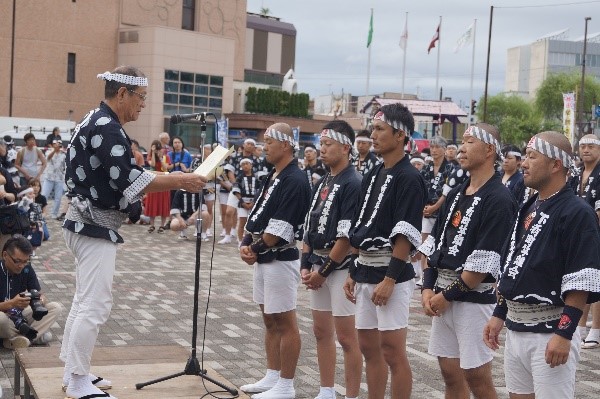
column 71, row 68
column 186, row 88
column 171, row 87
column 171, row 98
column 200, row 78
column 202, row 90
column 171, row 75
column 188, row 14
column 186, row 100
column 187, row 92
column 216, row 81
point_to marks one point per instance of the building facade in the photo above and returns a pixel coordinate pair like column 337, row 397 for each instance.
column 193, row 52
column 528, row 66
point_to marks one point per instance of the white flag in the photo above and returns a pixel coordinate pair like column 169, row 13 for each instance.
column 466, row 38
column 404, row 37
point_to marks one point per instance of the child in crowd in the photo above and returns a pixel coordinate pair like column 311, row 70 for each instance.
column 184, row 211
column 27, row 205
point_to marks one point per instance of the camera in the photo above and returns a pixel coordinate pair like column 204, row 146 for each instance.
column 35, row 301
column 21, row 324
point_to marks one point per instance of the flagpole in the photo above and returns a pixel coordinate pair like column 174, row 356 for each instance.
column 472, row 71
column 437, row 74
column 368, row 70
column 369, row 56
column 404, row 58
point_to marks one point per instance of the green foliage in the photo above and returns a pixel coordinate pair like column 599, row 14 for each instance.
column 516, row 118
column 549, row 100
column 277, row 102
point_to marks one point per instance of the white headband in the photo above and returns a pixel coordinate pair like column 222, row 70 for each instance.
column 277, row 135
column 340, row 138
column 365, row 139
column 125, row 79
column 484, row 136
column 452, row 146
column 310, row 149
column 589, row 140
column 395, row 124
column 514, row 154
column 550, row 150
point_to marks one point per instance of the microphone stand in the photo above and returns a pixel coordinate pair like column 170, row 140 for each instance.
column 192, row 366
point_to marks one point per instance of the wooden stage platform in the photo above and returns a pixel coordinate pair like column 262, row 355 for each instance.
column 125, row 366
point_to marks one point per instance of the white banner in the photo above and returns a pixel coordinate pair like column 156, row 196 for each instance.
column 569, row 115
column 222, row 131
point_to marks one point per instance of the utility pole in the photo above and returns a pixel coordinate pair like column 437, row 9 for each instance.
column 580, row 104
column 487, row 67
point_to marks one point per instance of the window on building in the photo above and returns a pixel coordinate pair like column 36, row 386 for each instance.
column 188, row 92
column 71, row 68
column 189, row 12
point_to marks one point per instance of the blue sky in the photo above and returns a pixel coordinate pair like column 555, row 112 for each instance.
column 331, row 53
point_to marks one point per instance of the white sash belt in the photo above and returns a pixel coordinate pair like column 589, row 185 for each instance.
column 375, row 258
column 447, row 277
column 532, row 314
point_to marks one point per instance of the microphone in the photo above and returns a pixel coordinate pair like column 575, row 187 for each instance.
column 178, row 118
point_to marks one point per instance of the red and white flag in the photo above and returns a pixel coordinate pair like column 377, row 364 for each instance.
column 434, row 39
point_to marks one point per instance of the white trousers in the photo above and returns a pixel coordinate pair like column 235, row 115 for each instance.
column 95, row 267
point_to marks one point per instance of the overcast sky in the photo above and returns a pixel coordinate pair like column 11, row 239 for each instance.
column 331, row 52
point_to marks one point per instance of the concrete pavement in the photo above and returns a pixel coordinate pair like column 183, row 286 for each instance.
column 153, row 305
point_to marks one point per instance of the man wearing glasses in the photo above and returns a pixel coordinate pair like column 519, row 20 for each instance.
column 16, row 277
column 106, row 186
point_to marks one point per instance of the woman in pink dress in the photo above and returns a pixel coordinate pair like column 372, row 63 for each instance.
column 158, row 204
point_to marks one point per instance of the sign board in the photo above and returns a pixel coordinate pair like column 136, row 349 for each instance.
column 569, row 115
column 597, row 111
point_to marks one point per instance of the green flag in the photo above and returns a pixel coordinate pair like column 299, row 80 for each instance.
column 370, row 38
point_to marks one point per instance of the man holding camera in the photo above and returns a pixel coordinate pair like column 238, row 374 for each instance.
column 25, row 315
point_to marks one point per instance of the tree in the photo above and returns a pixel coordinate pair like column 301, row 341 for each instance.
column 549, row 100
column 516, row 118
column 264, row 11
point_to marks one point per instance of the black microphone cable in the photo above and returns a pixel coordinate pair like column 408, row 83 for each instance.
column 212, row 255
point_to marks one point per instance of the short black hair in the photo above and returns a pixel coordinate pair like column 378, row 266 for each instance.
column 398, row 112
column 309, row 145
column 510, row 148
column 19, row 242
column 134, row 141
column 364, row 133
column 28, row 136
column 112, row 87
column 341, row 126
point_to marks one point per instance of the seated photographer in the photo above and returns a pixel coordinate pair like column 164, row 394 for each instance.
column 184, row 210
column 25, row 314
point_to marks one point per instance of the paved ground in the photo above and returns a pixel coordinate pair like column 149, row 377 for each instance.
column 153, row 305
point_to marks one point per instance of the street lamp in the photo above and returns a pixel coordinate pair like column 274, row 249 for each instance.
column 580, row 105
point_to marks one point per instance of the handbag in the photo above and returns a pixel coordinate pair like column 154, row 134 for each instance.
column 12, row 221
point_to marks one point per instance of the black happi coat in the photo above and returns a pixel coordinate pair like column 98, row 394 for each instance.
column 367, row 165
column 591, row 192
column 333, row 206
column 101, row 169
column 280, row 209
column 435, row 183
column 185, row 203
column 469, row 233
column 397, row 209
column 559, row 252
column 516, row 186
